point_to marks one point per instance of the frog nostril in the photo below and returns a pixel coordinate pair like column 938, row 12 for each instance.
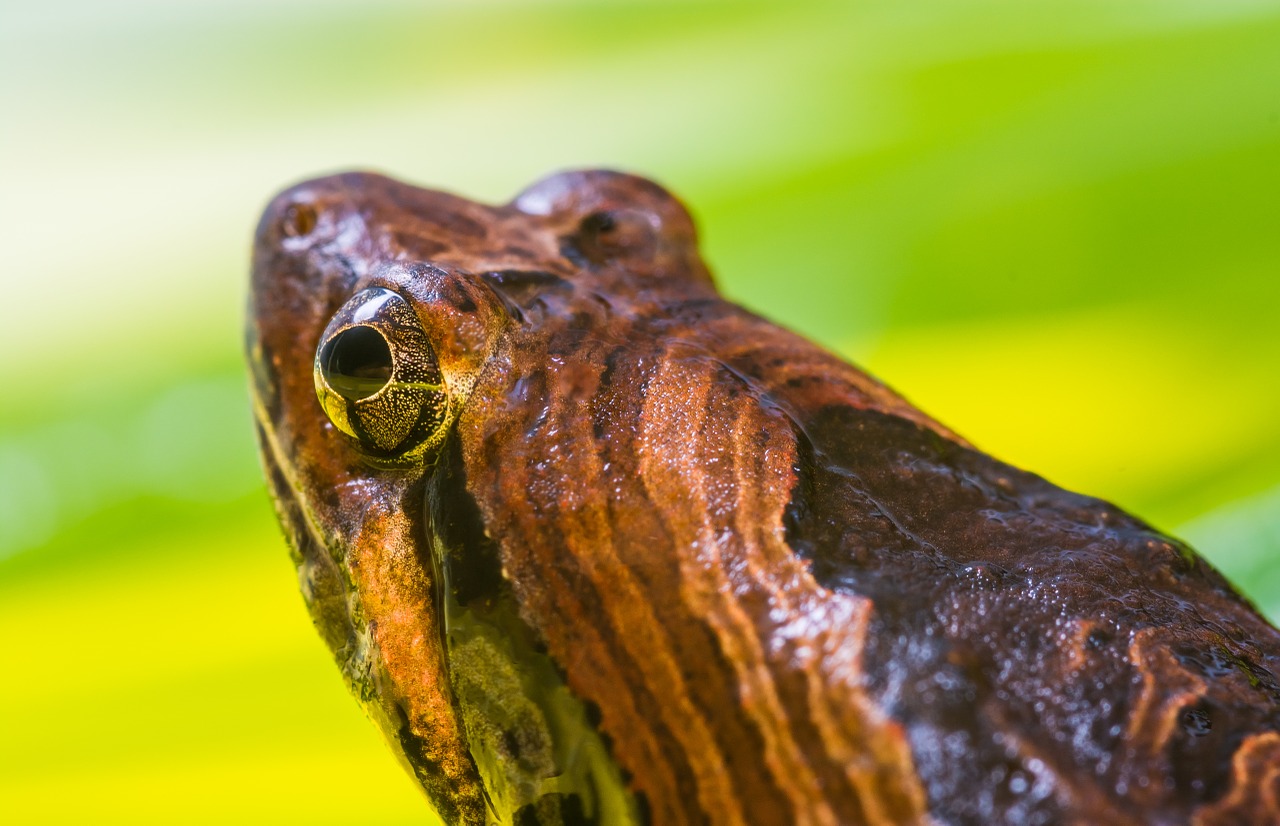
column 356, row 362
column 610, row 234
column 298, row 220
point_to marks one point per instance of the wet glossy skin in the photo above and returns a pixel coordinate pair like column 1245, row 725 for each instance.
column 598, row 546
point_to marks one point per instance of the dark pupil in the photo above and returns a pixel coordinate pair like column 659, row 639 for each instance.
column 356, row 362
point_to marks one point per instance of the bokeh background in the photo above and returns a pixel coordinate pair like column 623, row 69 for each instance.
column 1053, row 224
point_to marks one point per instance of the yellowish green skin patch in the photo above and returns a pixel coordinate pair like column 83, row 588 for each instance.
column 508, row 732
column 529, row 735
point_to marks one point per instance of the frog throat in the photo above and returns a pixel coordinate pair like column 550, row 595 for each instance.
column 540, row 757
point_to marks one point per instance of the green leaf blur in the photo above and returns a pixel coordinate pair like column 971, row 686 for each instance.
column 1053, row 225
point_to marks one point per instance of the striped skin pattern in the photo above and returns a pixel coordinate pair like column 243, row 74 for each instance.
column 778, row 592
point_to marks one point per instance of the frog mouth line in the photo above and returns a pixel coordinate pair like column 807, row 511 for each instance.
column 324, row 583
column 291, row 510
column 304, row 534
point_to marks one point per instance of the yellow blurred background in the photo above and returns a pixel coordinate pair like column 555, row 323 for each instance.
column 1054, row 225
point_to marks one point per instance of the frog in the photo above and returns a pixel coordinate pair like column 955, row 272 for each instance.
column 593, row 544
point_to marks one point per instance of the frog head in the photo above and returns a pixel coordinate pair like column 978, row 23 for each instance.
column 377, row 310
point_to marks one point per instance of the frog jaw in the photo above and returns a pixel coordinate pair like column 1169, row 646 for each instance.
column 372, row 602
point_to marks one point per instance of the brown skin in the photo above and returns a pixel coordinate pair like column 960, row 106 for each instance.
column 776, row 592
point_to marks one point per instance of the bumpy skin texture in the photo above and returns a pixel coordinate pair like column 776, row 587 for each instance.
column 785, row 594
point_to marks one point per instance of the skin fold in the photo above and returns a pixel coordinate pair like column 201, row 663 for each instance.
column 594, row 545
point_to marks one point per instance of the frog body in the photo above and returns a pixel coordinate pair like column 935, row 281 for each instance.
column 594, row 545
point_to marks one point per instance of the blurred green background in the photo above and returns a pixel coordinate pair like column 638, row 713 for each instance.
column 1054, row 225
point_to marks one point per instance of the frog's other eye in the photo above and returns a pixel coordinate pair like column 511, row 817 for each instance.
column 377, row 377
column 605, row 235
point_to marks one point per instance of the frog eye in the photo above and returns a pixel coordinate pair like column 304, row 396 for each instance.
column 356, row 362
column 377, row 377
column 605, row 235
